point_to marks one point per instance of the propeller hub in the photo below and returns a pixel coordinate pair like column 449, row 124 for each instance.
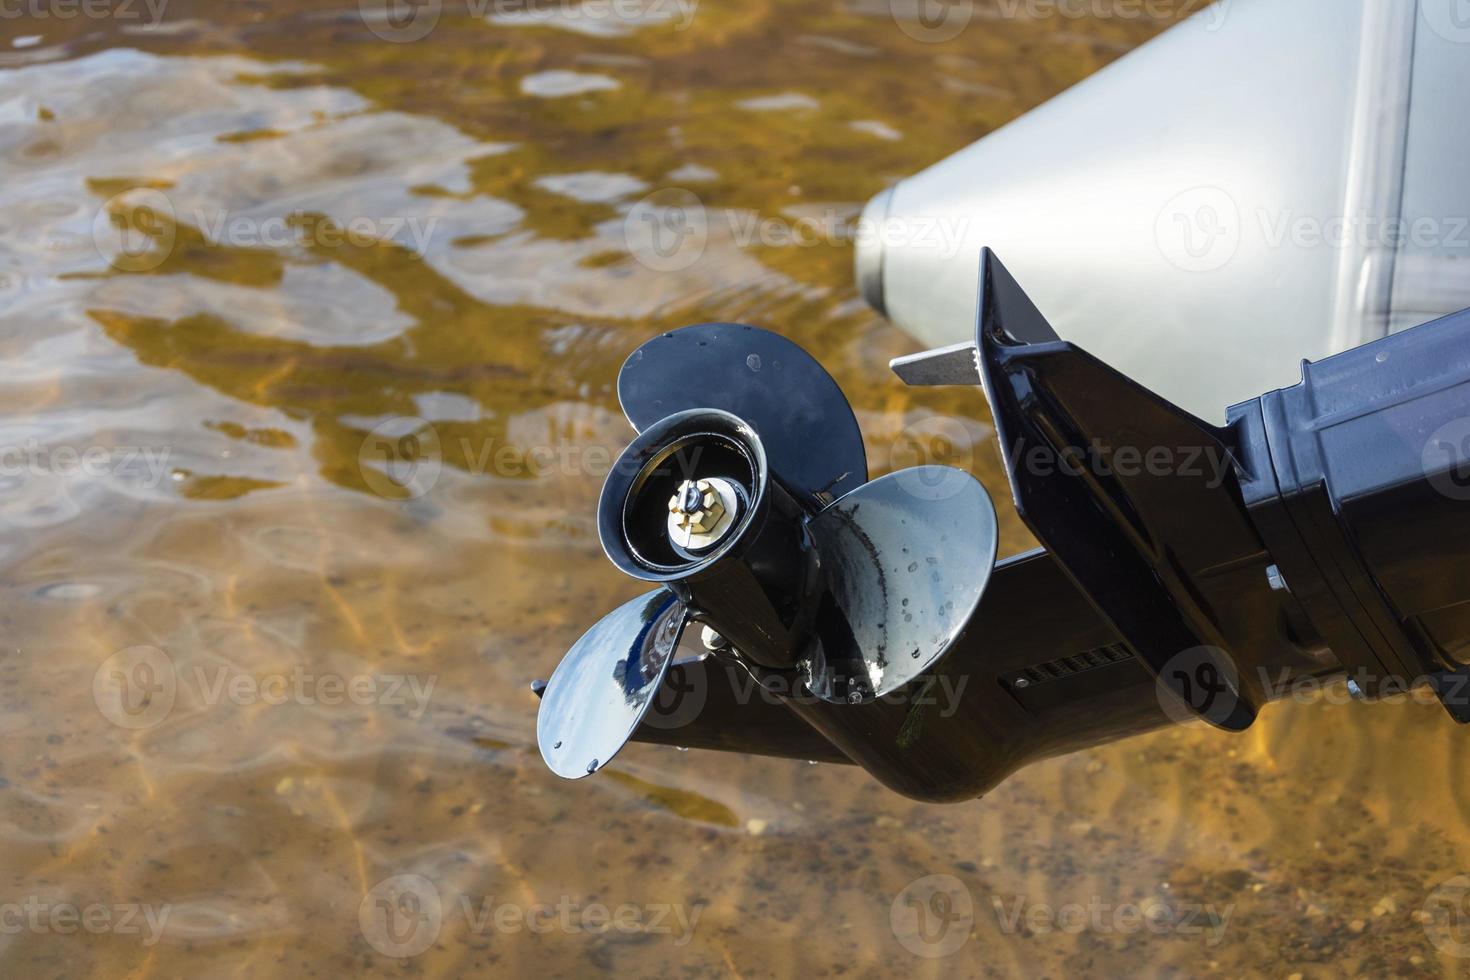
column 701, row 512
column 690, row 492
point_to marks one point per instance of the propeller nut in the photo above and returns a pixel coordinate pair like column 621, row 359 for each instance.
column 701, row 512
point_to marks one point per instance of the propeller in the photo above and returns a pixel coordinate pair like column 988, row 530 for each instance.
column 908, row 557
column 803, row 418
column 744, row 496
column 589, row 711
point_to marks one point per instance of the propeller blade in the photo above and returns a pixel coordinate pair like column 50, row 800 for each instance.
column 907, row 558
column 606, row 684
column 810, row 434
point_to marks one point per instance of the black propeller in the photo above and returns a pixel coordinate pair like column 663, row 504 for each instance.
column 802, row 417
column 745, row 497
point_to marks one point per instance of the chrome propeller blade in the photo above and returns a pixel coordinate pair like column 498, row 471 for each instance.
column 606, row 684
column 907, row 558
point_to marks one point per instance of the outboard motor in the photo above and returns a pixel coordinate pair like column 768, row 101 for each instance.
column 1189, row 571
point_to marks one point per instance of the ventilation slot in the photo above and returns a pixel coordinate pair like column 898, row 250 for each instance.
column 1067, row 666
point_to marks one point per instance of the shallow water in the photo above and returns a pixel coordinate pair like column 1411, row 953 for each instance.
column 249, row 683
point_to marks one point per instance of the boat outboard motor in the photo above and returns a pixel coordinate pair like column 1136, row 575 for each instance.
column 1189, row 571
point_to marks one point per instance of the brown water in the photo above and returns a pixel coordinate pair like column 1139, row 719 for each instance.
column 234, row 242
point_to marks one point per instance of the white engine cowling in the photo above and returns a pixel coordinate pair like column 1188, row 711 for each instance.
column 1269, row 181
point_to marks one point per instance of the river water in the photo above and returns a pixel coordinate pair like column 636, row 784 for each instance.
column 264, row 697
